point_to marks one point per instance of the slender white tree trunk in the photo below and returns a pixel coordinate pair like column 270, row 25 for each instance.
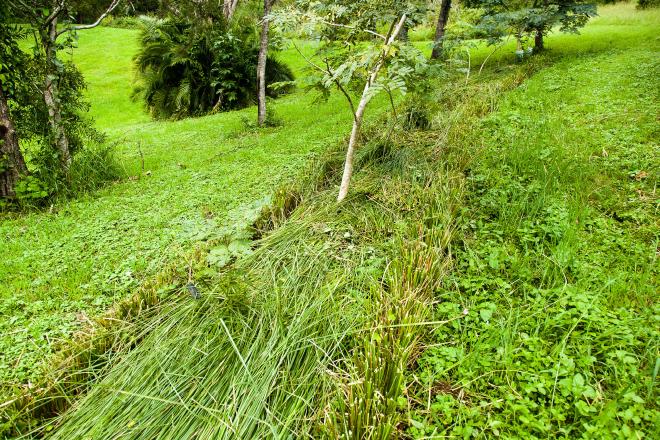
column 359, row 112
column 261, row 64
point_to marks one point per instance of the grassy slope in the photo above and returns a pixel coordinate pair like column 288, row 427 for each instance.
column 557, row 259
column 206, row 173
column 518, row 249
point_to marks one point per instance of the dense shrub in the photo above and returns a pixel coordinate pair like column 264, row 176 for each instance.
column 188, row 69
column 122, row 22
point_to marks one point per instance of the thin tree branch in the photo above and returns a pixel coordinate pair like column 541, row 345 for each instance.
column 327, row 71
column 310, row 62
column 343, row 90
column 81, row 27
column 389, row 93
column 27, row 9
column 329, row 23
column 497, row 47
column 56, row 11
column 391, row 29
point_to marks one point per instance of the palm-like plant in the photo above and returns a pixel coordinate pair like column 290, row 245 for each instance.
column 187, row 69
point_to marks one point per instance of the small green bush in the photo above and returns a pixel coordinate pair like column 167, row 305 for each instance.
column 122, row 22
column 93, row 167
column 272, row 120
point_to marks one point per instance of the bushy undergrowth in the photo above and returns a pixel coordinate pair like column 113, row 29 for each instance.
column 93, row 164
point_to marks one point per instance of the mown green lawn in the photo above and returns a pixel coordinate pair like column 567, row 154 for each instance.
column 204, row 176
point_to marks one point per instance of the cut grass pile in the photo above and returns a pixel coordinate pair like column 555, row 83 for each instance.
column 250, row 360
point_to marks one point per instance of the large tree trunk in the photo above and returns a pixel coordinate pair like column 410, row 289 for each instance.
column 12, row 164
column 261, row 64
column 538, row 40
column 359, row 112
column 228, row 8
column 443, row 18
column 51, row 95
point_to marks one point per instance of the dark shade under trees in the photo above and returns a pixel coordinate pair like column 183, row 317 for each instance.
column 12, row 61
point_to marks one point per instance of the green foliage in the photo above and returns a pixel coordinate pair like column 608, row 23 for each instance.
column 352, row 49
column 250, row 357
column 12, row 60
column 502, row 18
column 30, row 114
column 25, row 75
column 555, row 263
column 31, row 189
column 189, row 69
column 122, row 22
column 272, row 120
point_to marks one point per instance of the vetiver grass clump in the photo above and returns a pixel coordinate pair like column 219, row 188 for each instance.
column 247, row 360
column 183, row 182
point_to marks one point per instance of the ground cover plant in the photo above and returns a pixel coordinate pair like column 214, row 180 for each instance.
column 557, row 261
column 491, row 273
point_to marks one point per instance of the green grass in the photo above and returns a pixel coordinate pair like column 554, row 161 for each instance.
column 557, row 259
column 517, row 215
column 202, row 178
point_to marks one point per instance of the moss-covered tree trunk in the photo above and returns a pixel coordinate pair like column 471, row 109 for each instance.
column 443, row 18
column 228, row 8
column 51, row 94
column 12, row 164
